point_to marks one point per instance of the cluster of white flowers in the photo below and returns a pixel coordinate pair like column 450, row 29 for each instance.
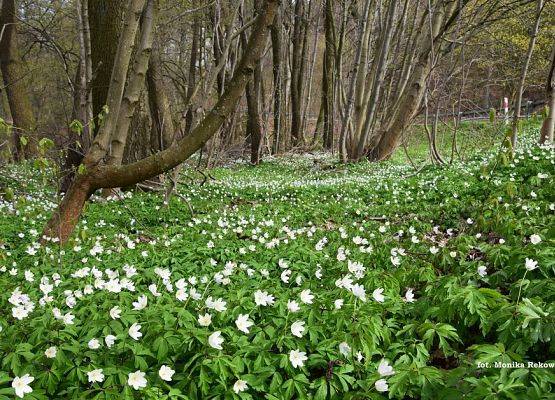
column 345, row 253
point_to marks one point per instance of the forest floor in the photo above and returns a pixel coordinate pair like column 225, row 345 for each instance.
column 299, row 278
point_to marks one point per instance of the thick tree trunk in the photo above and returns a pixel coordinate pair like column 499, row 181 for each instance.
column 98, row 176
column 13, row 74
column 105, row 22
column 65, row 218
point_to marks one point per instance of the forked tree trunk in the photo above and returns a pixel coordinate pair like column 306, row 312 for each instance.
column 98, row 175
column 383, row 144
column 375, row 85
column 100, row 147
column 347, row 112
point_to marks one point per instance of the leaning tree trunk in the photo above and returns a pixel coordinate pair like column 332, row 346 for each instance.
column 14, row 74
column 98, row 175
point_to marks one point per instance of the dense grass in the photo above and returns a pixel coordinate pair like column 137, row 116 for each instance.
column 472, row 136
column 460, row 237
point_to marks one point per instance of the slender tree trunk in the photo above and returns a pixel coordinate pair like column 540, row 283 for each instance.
column 74, row 153
column 306, row 108
column 254, row 130
column 328, row 84
column 159, row 103
column 253, row 94
column 6, row 113
column 85, row 77
column 193, row 66
column 520, row 90
column 370, row 103
column 8, row 144
column 549, row 122
column 135, row 84
column 297, row 62
column 79, row 142
column 276, row 33
column 14, row 74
